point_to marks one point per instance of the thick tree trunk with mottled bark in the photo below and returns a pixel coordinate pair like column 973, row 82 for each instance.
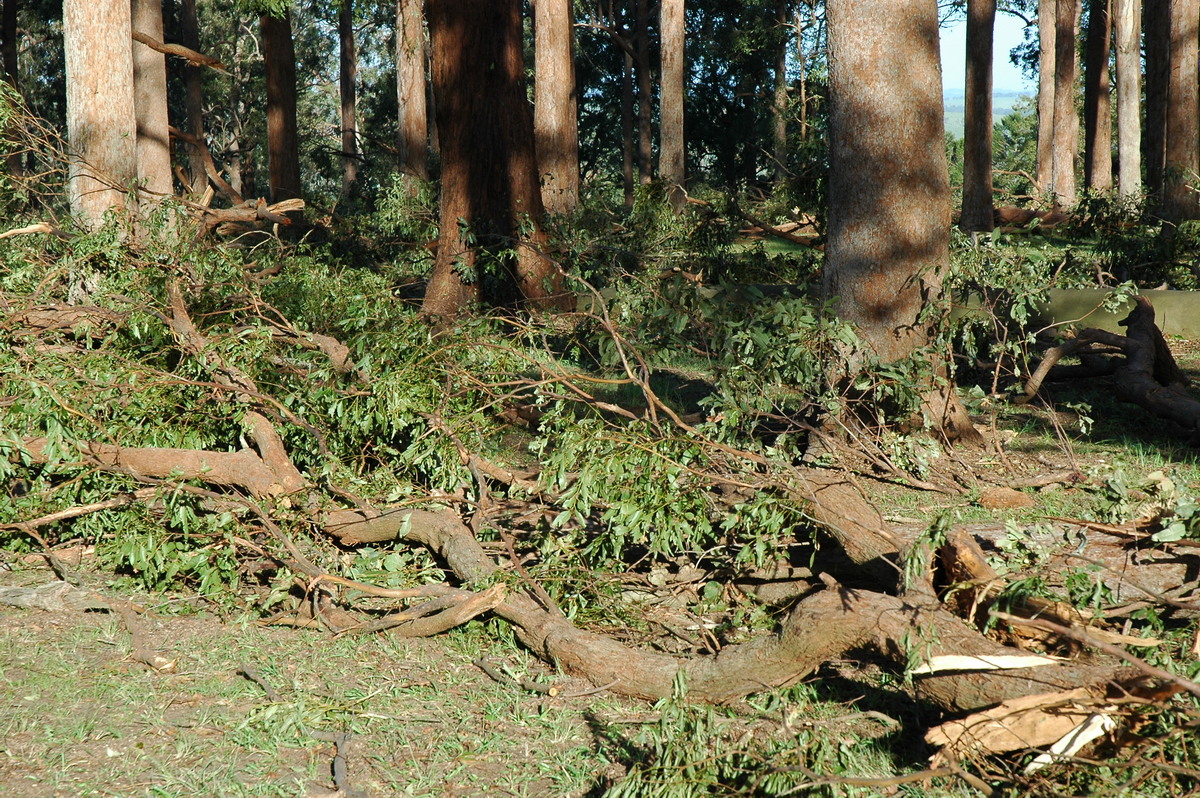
column 888, row 241
column 1127, row 22
column 555, row 115
column 977, row 154
column 189, row 34
column 490, row 198
column 1097, row 113
column 150, row 101
column 279, row 58
column 1066, row 119
column 1157, row 30
column 410, row 89
column 1047, row 10
column 347, row 78
column 101, row 122
column 671, row 165
column 1181, row 157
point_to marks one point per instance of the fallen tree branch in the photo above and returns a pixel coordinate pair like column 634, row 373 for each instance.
column 188, row 54
column 1107, row 648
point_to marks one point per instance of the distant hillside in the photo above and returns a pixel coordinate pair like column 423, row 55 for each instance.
column 1002, row 104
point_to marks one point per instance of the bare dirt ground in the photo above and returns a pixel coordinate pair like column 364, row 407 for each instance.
column 80, row 717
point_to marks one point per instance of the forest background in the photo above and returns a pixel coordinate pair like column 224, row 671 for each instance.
column 598, row 399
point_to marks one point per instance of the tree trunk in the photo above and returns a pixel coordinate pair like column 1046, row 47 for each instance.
column 627, row 144
column 8, row 64
column 1047, row 10
column 410, row 88
column 888, row 239
column 1097, row 114
column 1066, row 119
column 1128, row 17
column 347, row 77
column 279, row 58
column 641, row 37
column 189, row 30
column 101, row 123
column 779, row 104
column 150, row 102
column 671, row 142
column 490, row 197
column 555, row 111
column 977, row 154
column 1157, row 29
column 8, row 40
column 1182, row 159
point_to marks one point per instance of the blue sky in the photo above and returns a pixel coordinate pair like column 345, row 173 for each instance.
column 1006, row 78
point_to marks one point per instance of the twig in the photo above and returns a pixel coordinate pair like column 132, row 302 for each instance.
column 253, row 675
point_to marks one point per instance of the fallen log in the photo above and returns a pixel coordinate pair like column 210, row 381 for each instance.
column 1149, row 376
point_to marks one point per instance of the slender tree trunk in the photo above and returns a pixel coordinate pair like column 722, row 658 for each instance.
column 671, row 164
column 977, row 155
column 279, row 58
column 189, row 31
column 150, row 102
column 555, row 112
column 1183, row 115
column 101, row 122
column 8, row 40
column 411, row 88
column 490, row 197
column 802, row 80
column 347, row 78
column 627, row 127
column 8, row 64
column 779, row 104
column 1129, row 96
column 1156, row 25
column 1066, row 119
column 1097, row 113
column 1047, row 11
column 641, row 39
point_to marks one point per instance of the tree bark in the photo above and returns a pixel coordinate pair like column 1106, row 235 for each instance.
column 555, row 110
column 888, row 239
column 150, row 102
column 410, row 87
column 1157, row 28
column 1097, row 113
column 101, row 122
column 8, row 40
column 627, row 142
column 641, row 38
column 671, row 164
column 779, row 104
column 8, row 64
column 189, row 30
column 1047, row 9
column 1128, row 17
column 279, row 58
column 490, row 197
column 1066, row 119
column 347, row 78
column 977, row 201
column 1181, row 157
